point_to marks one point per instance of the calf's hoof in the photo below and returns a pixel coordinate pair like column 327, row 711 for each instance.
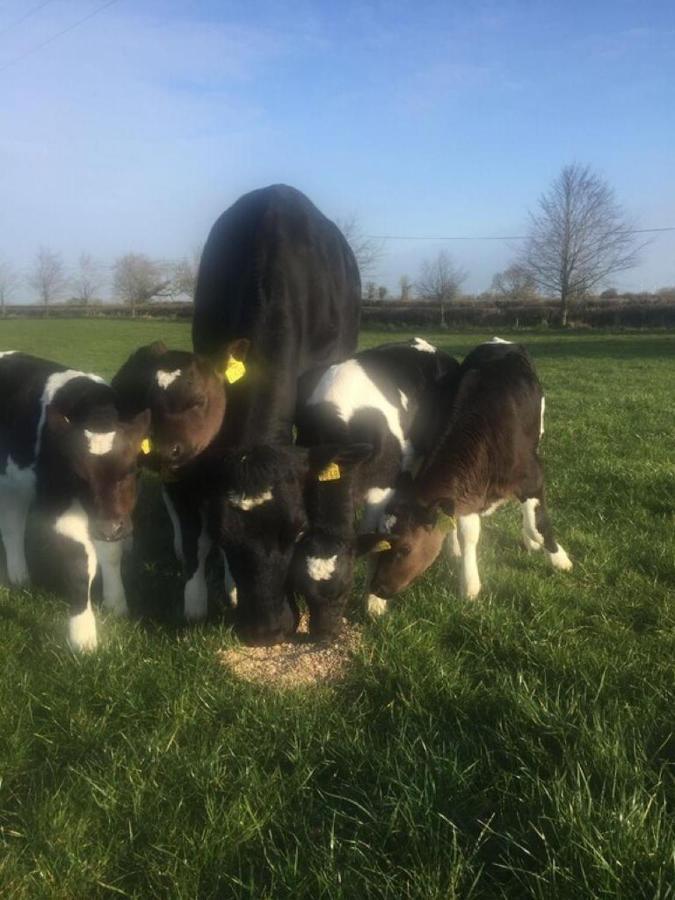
column 531, row 545
column 560, row 560
column 195, row 602
column 376, row 606
column 82, row 632
column 471, row 588
column 116, row 604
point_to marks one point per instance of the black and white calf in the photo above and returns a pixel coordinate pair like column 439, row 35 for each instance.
column 65, row 452
column 487, row 454
column 385, row 398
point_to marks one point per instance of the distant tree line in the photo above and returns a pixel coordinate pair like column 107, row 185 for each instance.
column 577, row 239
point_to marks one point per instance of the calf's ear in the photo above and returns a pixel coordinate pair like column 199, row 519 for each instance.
column 322, row 455
column 57, row 423
column 375, row 542
column 238, row 349
column 140, row 424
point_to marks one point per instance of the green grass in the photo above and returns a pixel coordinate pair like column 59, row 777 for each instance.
column 517, row 746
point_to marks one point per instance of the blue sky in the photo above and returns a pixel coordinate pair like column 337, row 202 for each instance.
column 136, row 129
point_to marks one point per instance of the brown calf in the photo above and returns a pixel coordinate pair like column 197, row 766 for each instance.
column 486, row 455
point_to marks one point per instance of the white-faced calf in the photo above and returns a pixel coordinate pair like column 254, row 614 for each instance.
column 488, row 454
column 65, row 451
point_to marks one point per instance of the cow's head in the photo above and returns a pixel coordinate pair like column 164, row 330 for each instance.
column 259, row 516
column 322, row 570
column 185, row 394
column 403, row 553
column 99, row 453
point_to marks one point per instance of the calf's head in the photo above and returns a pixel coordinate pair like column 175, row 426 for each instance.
column 258, row 515
column 97, row 457
column 185, row 395
column 322, row 570
column 407, row 550
column 258, row 518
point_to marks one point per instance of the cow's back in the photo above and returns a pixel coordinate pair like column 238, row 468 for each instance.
column 22, row 381
column 276, row 271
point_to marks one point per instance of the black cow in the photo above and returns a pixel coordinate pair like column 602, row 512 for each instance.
column 64, row 448
column 278, row 294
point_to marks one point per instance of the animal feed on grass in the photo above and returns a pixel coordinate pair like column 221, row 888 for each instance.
column 296, row 662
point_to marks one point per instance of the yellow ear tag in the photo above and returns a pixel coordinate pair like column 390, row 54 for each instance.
column 330, row 473
column 234, row 370
column 146, row 446
column 445, row 523
column 381, row 546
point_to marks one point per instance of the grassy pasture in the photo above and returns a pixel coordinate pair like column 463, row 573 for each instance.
column 517, row 746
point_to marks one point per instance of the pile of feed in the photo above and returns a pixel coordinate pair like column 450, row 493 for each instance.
column 297, row 662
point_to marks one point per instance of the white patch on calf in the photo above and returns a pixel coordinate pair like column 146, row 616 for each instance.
column 560, row 560
column 7, row 353
column 404, row 399
column 82, row 631
column 320, row 569
column 377, row 500
column 349, row 388
column 376, row 606
column 17, row 490
column 175, row 524
column 388, row 523
column 469, row 532
column 100, row 443
column 246, row 501
column 230, row 585
column 423, row 346
column 74, row 524
column 109, row 556
column 196, row 592
column 166, row 379
column 492, row 507
column 498, row 340
column 541, row 420
column 532, row 538
column 52, row 386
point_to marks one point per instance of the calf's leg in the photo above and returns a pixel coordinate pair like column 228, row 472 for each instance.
column 192, row 546
column 76, row 557
column 537, row 527
column 469, row 532
column 16, row 496
column 109, row 556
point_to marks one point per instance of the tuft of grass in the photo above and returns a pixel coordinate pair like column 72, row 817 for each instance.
column 520, row 745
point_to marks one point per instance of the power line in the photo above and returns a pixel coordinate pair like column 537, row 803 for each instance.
column 23, row 18
column 58, row 34
column 490, row 237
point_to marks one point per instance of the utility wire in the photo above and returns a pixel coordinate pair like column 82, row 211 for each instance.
column 58, row 34
column 23, row 18
column 490, row 237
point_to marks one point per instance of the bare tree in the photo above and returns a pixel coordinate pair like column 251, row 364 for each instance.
column 8, row 283
column 406, row 287
column 137, row 280
column 516, row 283
column 382, row 292
column 88, row 279
column 184, row 275
column 370, row 290
column 440, row 280
column 367, row 250
column 48, row 276
column 578, row 237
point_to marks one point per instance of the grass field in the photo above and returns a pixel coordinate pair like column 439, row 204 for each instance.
column 517, row 746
